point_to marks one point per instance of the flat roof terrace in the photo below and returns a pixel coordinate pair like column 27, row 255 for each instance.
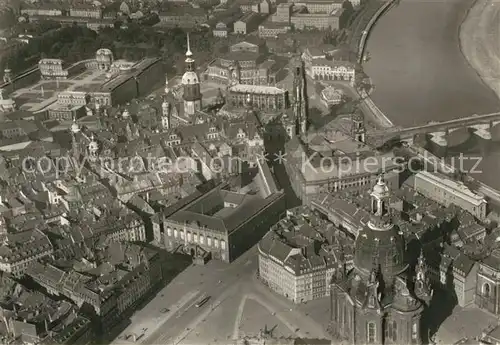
column 40, row 95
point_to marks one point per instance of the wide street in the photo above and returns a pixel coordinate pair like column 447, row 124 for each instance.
column 238, row 304
column 180, row 297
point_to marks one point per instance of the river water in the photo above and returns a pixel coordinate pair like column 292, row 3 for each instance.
column 420, row 75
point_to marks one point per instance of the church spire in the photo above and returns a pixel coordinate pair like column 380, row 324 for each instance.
column 422, row 284
column 167, row 87
column 188, row 52
column 191, row 84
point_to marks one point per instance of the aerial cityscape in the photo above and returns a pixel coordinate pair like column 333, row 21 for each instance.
column 249, row 172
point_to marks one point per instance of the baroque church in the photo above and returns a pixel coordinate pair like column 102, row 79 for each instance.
column 380, row 300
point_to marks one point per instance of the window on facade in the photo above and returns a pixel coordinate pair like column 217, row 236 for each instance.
column 169, row 231
column 370, row 332
column 414, row 331
column 391, row 331
column 223, row 244
column 486, row 290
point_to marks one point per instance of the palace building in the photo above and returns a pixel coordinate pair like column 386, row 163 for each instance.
column 246, row 63
column 52, row 69
column 262, row 97
column 379, row 301
column 321, row 67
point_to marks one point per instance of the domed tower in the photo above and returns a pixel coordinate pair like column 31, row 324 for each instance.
column 373, row 303
column 7, row 75
column 93, row 148
column 191, row 85
column 380, row 239
column 358, row 127
column 104, row 59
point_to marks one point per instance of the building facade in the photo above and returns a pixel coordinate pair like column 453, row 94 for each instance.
column 183, row 17
column 247, row 24
column 260, row 96
column 185, row 228
column 487, row 290
column 85, row 11
column 52, row 69
column 324, row 69
column 22, row 250
column 246, row 63
column 446, row 192
column 301, row 273
column 272, row 30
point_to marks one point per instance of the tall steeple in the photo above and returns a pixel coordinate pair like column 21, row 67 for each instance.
column 300, row 97
column 422, row 283
column 191, row 84
column 166, row 114
column 189, row 56
column 167, row 87
column 75, row 151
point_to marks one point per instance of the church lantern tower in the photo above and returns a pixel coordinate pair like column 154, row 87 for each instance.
column 191, row 84
column 358, row 127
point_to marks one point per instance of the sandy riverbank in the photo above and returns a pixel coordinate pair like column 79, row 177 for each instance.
column 480, row 41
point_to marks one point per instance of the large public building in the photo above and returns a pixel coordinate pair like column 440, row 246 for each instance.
column 246, row 63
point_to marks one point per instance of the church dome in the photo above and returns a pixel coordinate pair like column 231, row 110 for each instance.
column 190, row 78
column 383, row 244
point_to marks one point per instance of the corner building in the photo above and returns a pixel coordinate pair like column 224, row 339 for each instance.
column 379, row 301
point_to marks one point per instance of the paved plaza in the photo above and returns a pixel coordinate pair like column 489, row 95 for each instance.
column 239, row 305
column 464, row 322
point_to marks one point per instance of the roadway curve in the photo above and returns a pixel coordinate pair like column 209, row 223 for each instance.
column 418, row 70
